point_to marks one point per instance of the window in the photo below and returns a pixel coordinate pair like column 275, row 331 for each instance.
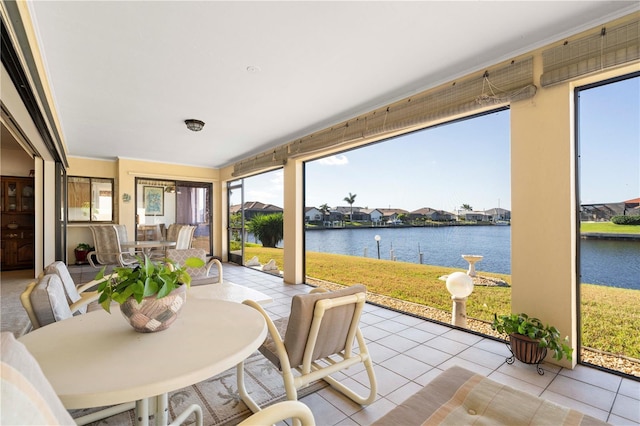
column 89, row 199
column 608, row 171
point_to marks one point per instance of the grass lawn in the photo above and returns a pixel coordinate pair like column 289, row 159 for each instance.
column 608, row 228
column 610, row 316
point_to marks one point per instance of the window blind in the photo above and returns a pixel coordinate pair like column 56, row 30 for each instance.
column 496, row 86
column 611, row 47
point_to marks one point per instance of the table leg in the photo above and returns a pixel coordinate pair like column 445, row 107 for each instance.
column 162, row 409
column 158, row 404
column 142, row 412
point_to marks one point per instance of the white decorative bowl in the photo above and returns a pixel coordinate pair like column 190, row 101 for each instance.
column 12, row 225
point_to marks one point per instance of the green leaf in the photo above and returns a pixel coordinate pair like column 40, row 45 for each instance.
column 150, row 288
column 194, row 262
column 166, row 289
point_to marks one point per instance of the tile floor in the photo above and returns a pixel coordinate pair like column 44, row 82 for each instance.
column 408, row 352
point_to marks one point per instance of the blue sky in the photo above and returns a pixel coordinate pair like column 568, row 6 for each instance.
column 468, row 162
column 610, row 142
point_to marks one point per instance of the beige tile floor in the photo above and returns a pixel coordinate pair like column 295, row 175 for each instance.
column 408, row 352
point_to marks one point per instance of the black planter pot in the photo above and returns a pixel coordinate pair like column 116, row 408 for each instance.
column 526, row 350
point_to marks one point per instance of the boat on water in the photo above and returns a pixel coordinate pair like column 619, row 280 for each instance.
column 502, row 223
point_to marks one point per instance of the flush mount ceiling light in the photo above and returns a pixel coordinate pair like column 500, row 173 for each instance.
column 194, row 125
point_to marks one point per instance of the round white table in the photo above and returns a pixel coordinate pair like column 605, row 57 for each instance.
column 97, row 359
column 147, row 246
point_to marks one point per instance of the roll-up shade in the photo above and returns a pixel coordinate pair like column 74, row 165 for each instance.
column 611, row 47
column 265, row 161
column 495, row 86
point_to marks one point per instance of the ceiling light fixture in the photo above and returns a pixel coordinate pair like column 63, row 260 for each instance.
column 194, row 125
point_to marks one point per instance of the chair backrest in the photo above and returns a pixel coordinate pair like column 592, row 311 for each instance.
column 27, row 396
column 172, row 231
column 122, row 234
column 180, row 256
column 45, row 301
column 310, row 337
column 106, row 240
column 185, row 235
column 69, row 286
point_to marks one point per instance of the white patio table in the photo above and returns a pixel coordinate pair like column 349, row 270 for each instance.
column 97, row 359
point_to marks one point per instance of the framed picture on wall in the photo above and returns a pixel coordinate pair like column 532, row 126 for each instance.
column 153, row 201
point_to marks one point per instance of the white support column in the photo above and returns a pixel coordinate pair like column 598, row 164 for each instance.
column 293, row 222
column 543, row 239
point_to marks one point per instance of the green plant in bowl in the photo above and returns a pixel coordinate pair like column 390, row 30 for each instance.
column 149, row 278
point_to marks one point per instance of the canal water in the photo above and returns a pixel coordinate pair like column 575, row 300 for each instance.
column 603, row 262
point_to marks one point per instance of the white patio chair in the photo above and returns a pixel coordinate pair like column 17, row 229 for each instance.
column 45, row 301
column 108, row 251
column 276, row 413
column 318, row 341
column 75, row 293
column 199, row 276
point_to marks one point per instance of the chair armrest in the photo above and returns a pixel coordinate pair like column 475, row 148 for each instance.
column 86, row 286
column 120, row 254
column 279, row 412
column 85, row 299
column 216, row 262
column 90, row 258
column 26, row 304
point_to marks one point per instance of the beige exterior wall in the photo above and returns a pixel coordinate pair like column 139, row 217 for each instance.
column 543, row 226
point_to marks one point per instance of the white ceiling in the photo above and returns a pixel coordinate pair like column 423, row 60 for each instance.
column 126, row 74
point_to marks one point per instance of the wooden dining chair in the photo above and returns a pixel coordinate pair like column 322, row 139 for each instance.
column 318, row 341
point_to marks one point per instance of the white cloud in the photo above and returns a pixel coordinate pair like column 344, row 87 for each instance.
column 334, row 160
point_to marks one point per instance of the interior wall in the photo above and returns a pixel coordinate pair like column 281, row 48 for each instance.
column 15, row 162
column 128, row 170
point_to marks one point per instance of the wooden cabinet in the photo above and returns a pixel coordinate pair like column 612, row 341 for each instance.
column 17, row 223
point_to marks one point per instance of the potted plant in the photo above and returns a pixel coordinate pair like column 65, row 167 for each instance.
column 81, row 252
column 150, row 294
column 529, row 339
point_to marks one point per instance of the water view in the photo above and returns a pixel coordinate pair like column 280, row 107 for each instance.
column 603, row 262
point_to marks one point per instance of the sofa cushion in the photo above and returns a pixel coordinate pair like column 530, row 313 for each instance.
column 27, row 396
column 49, row 301
column 60, row 269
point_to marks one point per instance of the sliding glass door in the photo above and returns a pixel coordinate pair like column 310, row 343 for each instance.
column 235, row 191
column 160, row 203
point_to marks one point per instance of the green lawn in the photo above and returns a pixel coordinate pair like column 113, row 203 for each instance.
column 610, row 315
column 608, row 228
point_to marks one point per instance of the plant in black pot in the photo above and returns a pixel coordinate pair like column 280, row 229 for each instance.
column 151, row 294
column 529, row 339
column 81, row 252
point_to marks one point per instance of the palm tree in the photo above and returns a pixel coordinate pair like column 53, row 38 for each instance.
column 324, row 209
column 267, row 228
column 350, row 200
column 466, row 207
